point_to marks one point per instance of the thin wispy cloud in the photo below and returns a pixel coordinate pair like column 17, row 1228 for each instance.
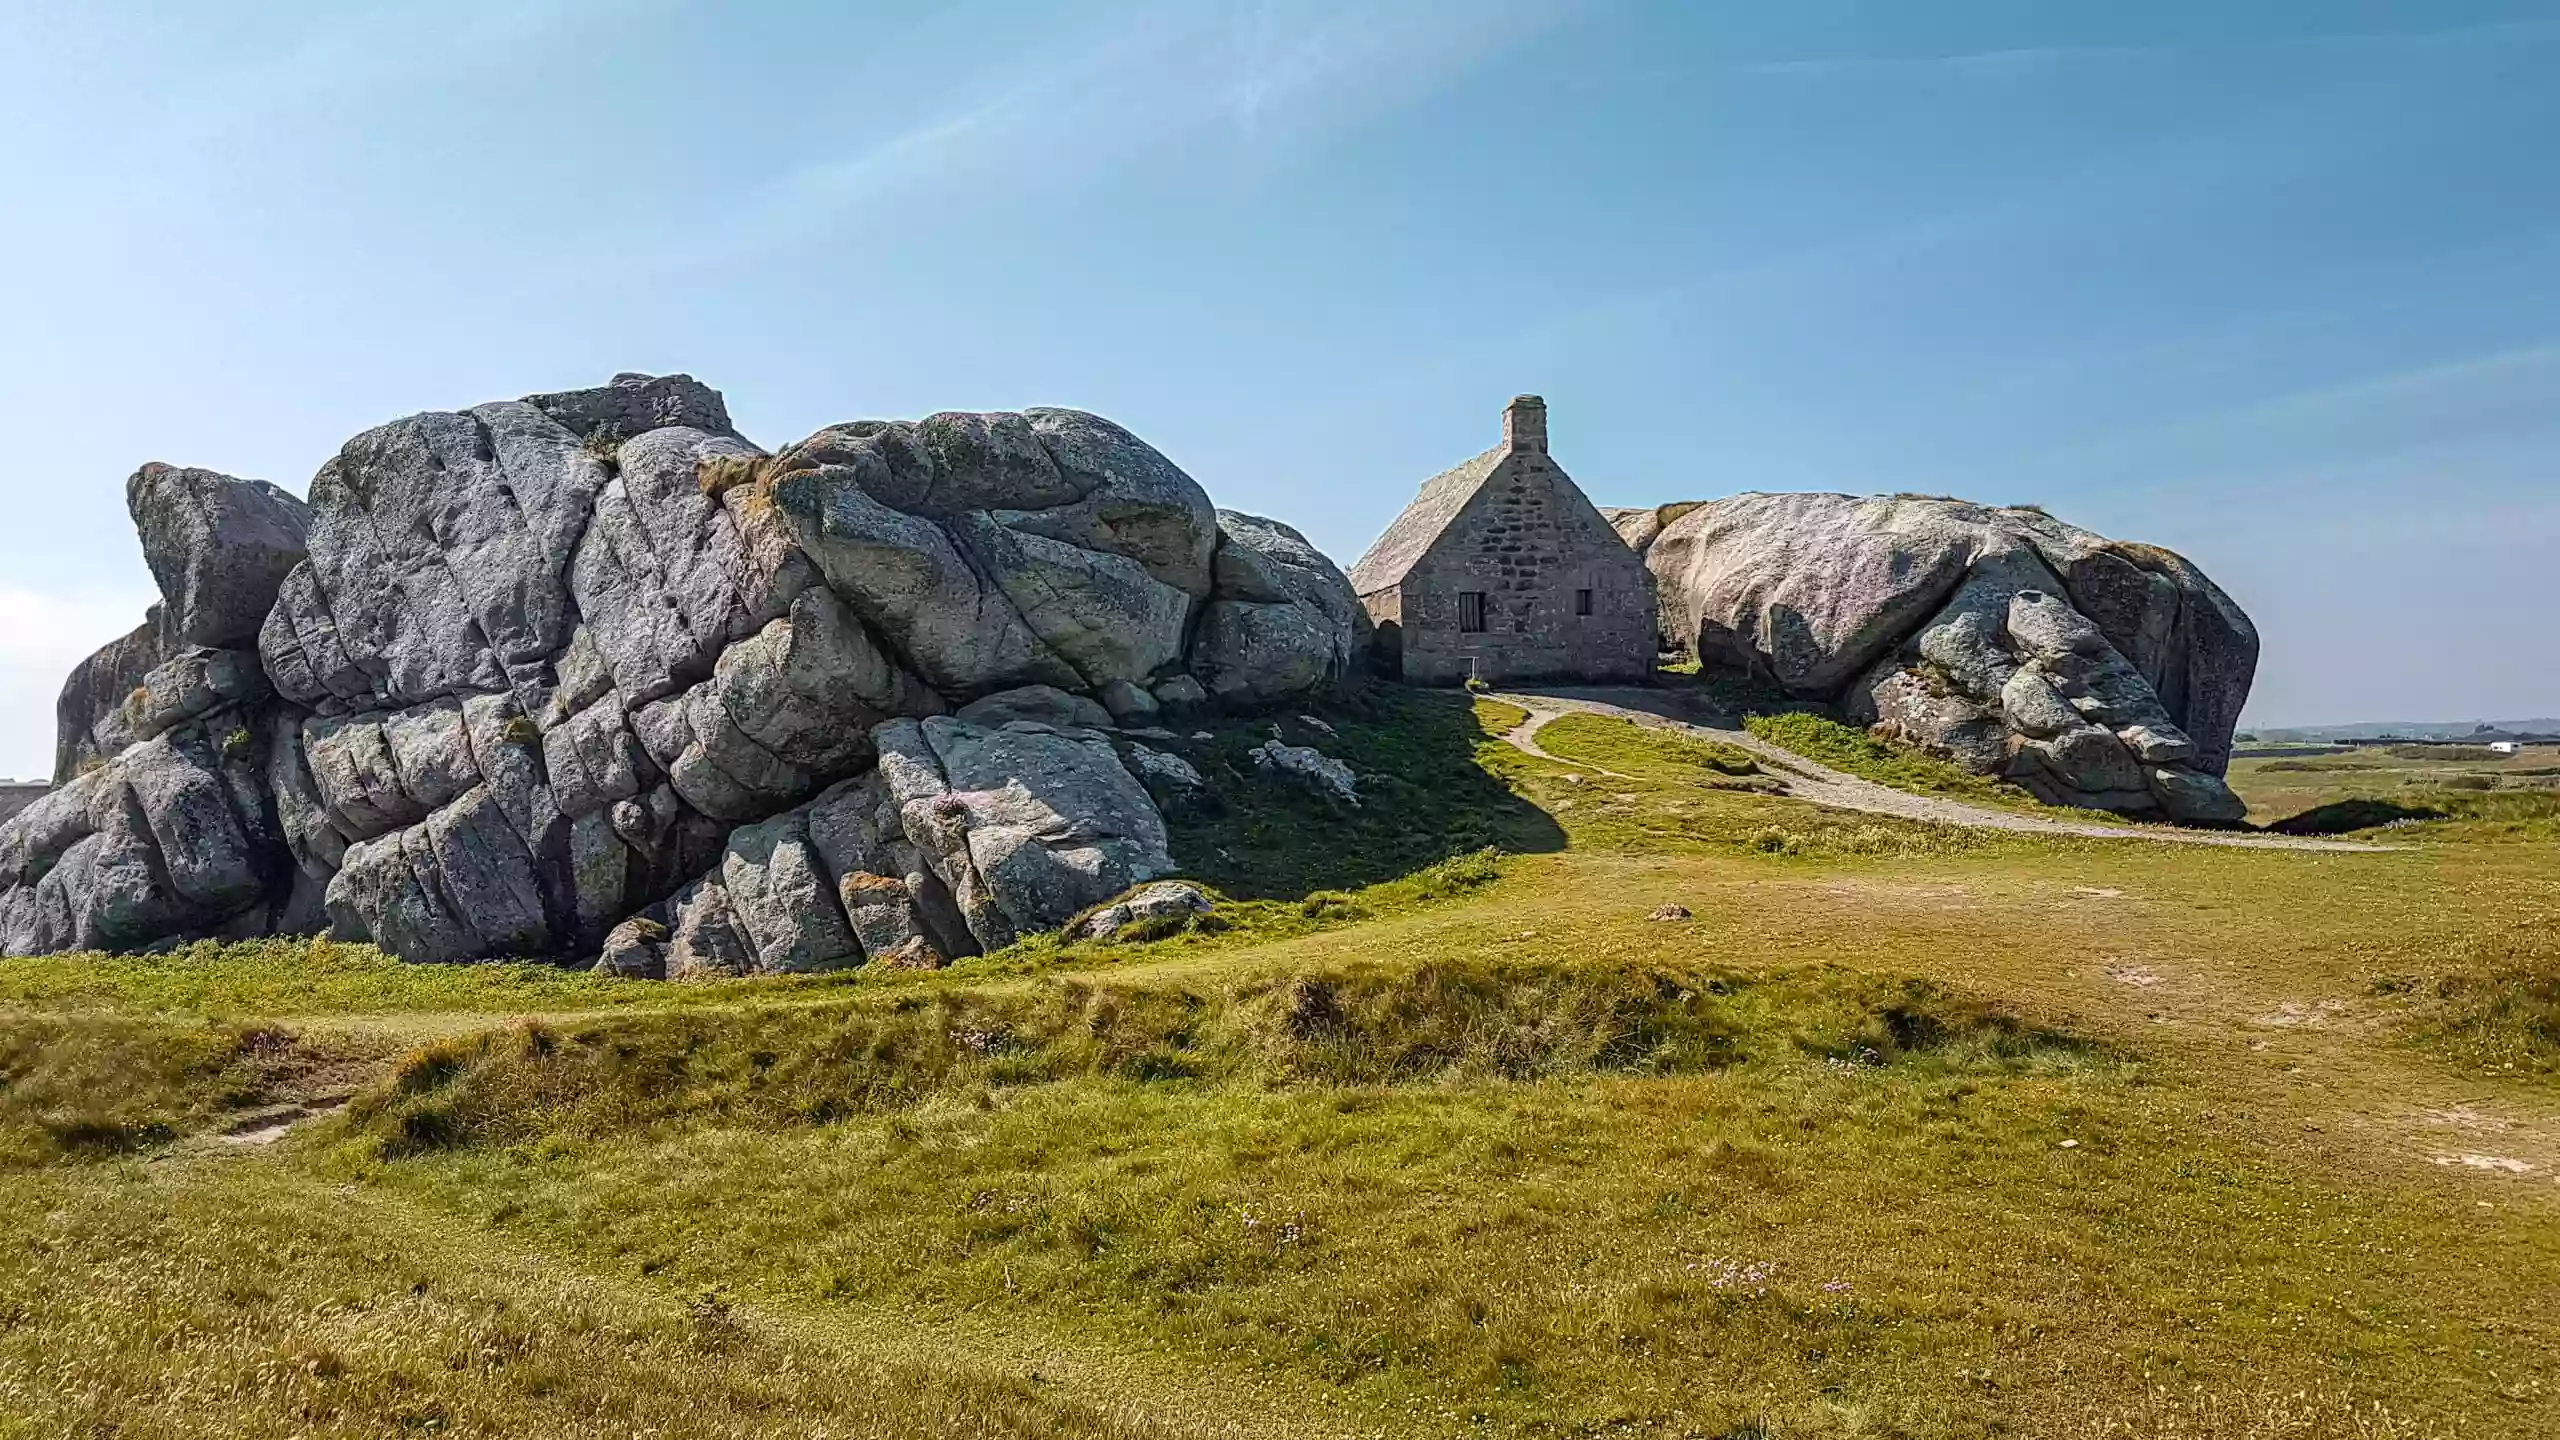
column 1983, row 64
column 2028, row 61
column 2486, row 417
column 1056, row 109
column 2497, row 33
column 359, row 54
column 1312, row 62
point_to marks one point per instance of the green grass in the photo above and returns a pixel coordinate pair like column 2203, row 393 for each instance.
column 83, row 1086
column 2440, row 794
column 1903, row 767
column 1416, row 1140
column 1444, row 1023
column 293, row 977
column 1900, row 1248
column 1652, row 752
column 1425, row 796
column 2432, row 811
column 1639, row 788
column 240, row 1301
column 2500, row 1011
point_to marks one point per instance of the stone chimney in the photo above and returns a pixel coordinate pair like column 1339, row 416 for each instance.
column 1524, row 424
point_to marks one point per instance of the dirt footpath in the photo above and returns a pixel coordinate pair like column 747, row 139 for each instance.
column 1819, row 784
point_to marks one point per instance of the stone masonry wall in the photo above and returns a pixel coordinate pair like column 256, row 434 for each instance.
column 1527, row 542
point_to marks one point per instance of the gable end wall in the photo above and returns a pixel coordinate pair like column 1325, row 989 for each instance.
column 1528, row 541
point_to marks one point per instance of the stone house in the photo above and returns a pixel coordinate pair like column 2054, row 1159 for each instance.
column 1501, row 569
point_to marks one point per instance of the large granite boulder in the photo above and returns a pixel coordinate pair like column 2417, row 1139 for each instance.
column 589, row 672
column 218, row 547
column 964, row 837
column 1025, row 824
column 1281, row 619
column 171, row 840
column 2092, row 671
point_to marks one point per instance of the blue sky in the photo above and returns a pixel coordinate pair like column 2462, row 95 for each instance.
column 2276, row 285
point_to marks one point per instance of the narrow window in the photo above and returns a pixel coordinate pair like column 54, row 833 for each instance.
column 1471, row 611
column 1581, row 602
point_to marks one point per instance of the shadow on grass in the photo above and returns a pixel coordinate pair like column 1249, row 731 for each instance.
column 1423, row 798
column 2339, row 817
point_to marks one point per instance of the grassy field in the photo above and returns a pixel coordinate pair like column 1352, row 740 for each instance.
column 1899, row 1130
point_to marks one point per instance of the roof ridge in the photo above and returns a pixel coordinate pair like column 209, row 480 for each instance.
column 1405, row 541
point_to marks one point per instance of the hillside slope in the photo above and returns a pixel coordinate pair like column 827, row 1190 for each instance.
column 1885, row 1128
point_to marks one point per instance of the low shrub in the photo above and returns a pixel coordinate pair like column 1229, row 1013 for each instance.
column 2462, row 754
column 2340, row 817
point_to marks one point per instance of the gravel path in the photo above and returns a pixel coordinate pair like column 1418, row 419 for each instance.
column 1819, row 784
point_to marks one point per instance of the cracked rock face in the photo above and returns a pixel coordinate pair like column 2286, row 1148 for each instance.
column 2093, row 672
column 589, row 673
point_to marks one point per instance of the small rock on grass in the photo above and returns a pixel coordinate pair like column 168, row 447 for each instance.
column 1671, row 912
column 636, row 950
column 1161, row 900
column 1312, row 767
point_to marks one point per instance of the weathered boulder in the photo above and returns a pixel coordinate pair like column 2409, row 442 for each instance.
column 1283, row 620
column 1178, row 693
column 1809, row 589
column 1162, row 771
column 1025, row 825
column 95, row 691
column 196, row 681
column 635, row 950
column 1043, row 704
column 995, row 551
column 705, row 940
column 898, row 907
column 1640, row 527
column 438, row 565
column 964, row 837
column 1176, row 900
column 784, row 900
column 2086, row 669
column 634, row 404
column 218, row 547
column 1310, row 767
column 170, row 840
column 590, row 674
column 663, row 577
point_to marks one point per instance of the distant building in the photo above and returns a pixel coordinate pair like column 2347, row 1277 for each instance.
column 2503, row 747
column 1502, row 570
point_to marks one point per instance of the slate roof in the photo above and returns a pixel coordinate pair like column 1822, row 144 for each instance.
column 1413, row 533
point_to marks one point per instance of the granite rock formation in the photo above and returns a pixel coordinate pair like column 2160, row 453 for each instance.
column 2093, row 672
column 591, row 674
